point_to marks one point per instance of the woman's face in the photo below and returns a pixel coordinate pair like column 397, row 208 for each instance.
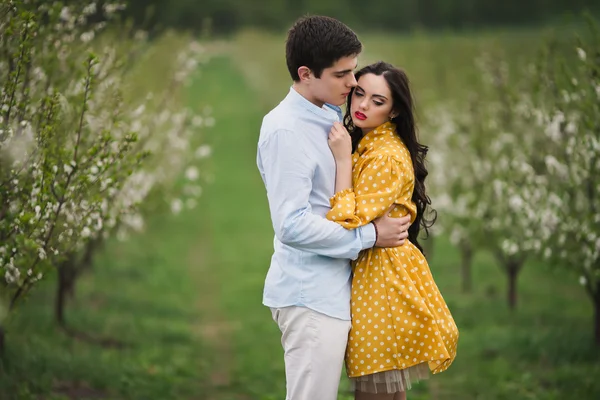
column 371, row 102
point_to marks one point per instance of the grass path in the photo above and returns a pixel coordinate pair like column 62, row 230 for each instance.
column 237, row 236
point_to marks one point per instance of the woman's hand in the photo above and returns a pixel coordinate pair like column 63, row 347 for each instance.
column 340, row 143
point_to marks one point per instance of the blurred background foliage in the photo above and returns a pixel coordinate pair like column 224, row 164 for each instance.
column 226, row 16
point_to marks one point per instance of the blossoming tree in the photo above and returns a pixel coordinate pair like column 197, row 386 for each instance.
column 80, row 149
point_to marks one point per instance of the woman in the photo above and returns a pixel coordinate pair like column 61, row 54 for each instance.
column 401, row 326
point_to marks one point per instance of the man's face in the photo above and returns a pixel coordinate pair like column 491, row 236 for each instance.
column 335, row 83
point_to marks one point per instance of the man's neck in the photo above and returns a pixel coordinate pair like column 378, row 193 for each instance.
column 303, row 91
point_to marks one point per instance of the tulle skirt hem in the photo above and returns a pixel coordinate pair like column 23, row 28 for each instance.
column 393, row 381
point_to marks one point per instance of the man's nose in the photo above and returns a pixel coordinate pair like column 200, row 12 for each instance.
column 352, row 81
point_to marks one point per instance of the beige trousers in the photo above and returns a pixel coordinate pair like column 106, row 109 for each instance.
column 314, row 345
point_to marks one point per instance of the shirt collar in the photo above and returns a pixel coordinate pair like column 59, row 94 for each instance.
column 329, row 111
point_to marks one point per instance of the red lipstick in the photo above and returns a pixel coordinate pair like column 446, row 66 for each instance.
column 360, row 116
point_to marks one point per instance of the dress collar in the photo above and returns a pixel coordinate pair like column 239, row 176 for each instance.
column 367, row 141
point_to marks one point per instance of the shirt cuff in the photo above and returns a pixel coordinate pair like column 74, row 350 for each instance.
column 367, row 235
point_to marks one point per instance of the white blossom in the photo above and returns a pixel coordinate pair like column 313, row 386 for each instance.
column 203, row 151
column 87, row 36
column 192, row 173
column 86, row 232
column 65, row 14
column 90, row 9
column 176, row 206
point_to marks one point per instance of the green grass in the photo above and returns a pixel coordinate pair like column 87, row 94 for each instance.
column 186, row 295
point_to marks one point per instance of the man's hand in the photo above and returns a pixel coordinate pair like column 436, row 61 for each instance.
column 391, row 232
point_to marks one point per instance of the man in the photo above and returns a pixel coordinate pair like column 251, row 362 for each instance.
column 308, row 283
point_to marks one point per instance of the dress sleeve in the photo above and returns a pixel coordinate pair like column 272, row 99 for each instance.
column 377, row 187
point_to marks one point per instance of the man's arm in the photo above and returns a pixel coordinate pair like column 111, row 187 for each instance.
column 288, row 172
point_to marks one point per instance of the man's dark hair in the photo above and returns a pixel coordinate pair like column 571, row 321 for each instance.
column 317, row 42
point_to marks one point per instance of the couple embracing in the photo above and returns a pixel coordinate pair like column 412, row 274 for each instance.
column 348, row 278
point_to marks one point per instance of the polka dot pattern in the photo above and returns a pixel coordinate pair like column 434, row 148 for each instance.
column 399, row 317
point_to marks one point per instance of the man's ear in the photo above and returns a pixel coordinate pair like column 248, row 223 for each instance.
column 304, row 73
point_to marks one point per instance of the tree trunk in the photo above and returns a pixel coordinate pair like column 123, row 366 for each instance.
column 597, row 318
column 512, row 269
column 66, row 280
column 68, row 273
column 61, row 297
column 466, row 253
column 2, row 342
column 90, row 251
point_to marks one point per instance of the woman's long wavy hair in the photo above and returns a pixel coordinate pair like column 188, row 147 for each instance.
column 403, row 108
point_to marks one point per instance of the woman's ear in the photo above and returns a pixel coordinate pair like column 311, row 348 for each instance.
column 304, row 73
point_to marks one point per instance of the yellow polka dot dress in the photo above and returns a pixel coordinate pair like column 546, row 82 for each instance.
column 400, row 322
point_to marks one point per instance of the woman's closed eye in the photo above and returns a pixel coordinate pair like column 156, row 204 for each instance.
column 360, row 94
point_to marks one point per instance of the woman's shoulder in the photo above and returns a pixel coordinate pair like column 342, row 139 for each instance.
column 390, row 150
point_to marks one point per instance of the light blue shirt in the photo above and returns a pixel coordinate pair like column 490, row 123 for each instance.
column 310, row 266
